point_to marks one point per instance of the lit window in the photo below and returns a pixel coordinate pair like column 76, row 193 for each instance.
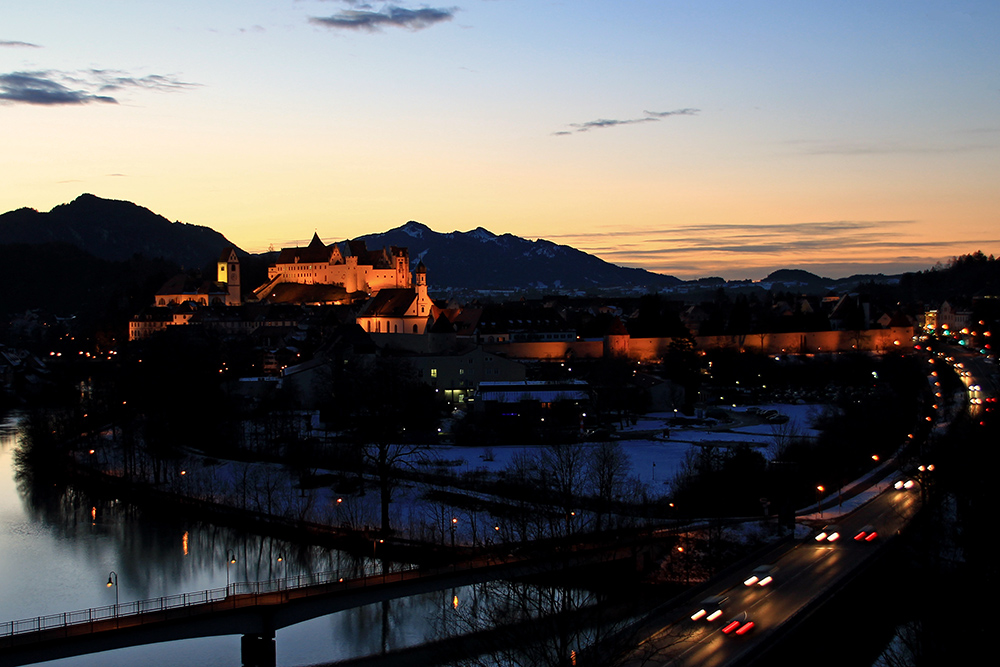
column 434, row 372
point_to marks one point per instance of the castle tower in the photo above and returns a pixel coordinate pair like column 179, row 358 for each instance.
column 616, row 341
column 229, row 275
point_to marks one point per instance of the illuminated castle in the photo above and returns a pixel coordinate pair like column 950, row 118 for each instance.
column 321, row 273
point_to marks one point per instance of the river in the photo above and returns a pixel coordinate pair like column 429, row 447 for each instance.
column 60, row 547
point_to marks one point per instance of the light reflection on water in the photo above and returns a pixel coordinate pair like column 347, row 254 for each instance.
column 59, row 547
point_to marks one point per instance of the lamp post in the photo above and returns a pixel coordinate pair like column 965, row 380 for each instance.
column 375, row 544
column 230, row 559
column 819, row 499
column 113, row 581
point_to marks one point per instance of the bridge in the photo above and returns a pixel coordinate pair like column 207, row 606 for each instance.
column 255, row 610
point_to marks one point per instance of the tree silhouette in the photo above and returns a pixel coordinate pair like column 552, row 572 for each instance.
column 391, row 415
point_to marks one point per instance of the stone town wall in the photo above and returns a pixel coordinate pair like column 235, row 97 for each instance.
column 647, row 349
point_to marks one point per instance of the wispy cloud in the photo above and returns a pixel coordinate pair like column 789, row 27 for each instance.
column 755, row 249
column 675, row 112
column 736, row 233
column 362, row 16
column 43, row 89
column 117, row 80
column 56, row 88
column 607, row 122
column 649, row 117
column 17, row 44
column 804, row 237
column 779, row 248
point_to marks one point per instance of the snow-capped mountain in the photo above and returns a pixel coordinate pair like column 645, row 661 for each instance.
column 480, row 259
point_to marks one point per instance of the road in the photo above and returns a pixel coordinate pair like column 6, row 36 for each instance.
column 806, row 572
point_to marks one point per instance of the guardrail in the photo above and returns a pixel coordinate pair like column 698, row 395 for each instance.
column 247, row 588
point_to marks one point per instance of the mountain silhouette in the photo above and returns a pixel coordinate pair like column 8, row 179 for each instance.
column 114, row 230
column 480, row 259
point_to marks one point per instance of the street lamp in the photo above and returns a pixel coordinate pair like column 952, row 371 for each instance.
column 819, row 499
column 230, row 560
column 375, row 544
column 284, row 568
column 113, row 581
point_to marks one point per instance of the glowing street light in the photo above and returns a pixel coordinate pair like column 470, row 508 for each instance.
column 113, row 581
column 230, row 560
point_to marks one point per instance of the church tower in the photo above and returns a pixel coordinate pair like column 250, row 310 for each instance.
column 420, row 287
column 229, row 275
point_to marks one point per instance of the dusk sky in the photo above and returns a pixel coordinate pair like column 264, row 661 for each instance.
column 693, row 138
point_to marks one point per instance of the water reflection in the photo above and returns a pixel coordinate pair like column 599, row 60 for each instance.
column 521, row 625
column 497, row 624
column 60, row 542
column 156, row 551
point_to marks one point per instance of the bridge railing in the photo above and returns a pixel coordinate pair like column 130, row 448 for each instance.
column 111, row 611
column 246, row 588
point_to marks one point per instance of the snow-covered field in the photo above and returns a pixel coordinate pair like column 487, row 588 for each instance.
column 655, row 446
column 655, row 458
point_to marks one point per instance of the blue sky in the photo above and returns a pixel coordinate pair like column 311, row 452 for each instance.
column 690, row 138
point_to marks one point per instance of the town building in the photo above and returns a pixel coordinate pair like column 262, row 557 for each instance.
column 515, row 406
column 224, row 290
column 953, row 316
column 399, row 309
column 455, row 376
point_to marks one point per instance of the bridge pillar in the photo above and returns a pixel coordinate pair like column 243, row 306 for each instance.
column 258, row 650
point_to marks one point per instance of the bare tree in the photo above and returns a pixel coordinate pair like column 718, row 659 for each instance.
column 563, row 468
column 782, row 435
column 905, row 648
column 391, row 411
column 607, row 473
column 388, row 461
column 521, row 521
